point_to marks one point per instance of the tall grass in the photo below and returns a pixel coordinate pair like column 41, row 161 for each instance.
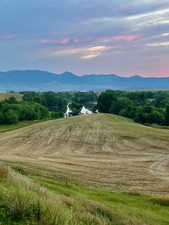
column 22, row 202
column 118, row 208
column 41, row 201
column 3, row 173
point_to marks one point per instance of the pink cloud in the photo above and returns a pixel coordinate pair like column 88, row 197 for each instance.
column 89, row 40
column 66, row 40
column 125, row 37
column 7, row 36
column 109, row 38
column 63, row 41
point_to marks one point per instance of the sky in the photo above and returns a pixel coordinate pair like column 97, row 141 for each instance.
column 124, row 37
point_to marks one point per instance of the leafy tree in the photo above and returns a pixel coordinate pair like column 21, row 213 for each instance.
column 28, row 112
column 11, row 100
column 11, row 116
column 41, row 111
column 56, row 115
column 31, row 96
column 167, row 115
column 156, row 117
column 143, row 107
column 76, row 108
column 105, row 101
column 85, row 98
column 2, row 119
column 120, row 104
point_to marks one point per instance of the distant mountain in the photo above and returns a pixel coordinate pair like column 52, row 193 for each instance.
column 36, row 80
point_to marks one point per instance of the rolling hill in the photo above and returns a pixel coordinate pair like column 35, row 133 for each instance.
column 98, row 150
column 84, row 170
column 36, row 80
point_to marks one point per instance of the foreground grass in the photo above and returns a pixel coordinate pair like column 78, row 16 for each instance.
column 22, row 202
column 132, row 208
column 30, row 199
column 41, row 201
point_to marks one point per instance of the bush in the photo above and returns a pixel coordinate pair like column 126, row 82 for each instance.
column 28, row 113
column 11, row 116
column 56, row 115
column 12, row 113
column 2, row 119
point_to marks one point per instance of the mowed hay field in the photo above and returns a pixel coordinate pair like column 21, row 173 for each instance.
column 4, row 96
column 103, row 151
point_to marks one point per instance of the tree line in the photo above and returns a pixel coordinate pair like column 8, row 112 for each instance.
column 43, row 105
column 57, row 101
column 12, row 111
column 146, row 107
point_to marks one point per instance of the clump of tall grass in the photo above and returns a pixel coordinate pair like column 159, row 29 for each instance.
column 22, row 202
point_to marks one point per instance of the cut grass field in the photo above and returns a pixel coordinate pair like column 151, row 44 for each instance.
column 4, row 96
column 87, row 170
column 100, row 150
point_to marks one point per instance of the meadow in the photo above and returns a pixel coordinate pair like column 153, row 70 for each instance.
column 87, row 170
column 27, row 199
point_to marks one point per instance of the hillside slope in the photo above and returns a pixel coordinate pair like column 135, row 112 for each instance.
column 100, row 150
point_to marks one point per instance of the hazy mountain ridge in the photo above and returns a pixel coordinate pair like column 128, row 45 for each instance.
column 44, row 81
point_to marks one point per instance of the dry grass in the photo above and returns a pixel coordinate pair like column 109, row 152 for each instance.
column 3, row 173
column 4, row 96
column 98, row 150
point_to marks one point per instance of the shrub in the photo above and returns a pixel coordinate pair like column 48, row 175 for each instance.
column 55, row 115
column 11, row 116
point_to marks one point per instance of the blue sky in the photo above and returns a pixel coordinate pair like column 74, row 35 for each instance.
column 124, row 37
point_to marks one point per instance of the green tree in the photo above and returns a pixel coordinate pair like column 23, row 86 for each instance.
column 40, row 110
column 11, row 100
column 11, row 116
column 56, row 115
column 27, row 112
column 76, row 108
column 156, row 117
column 167, row 115
column 121, row 104
column 2, row 119
column 105, row 101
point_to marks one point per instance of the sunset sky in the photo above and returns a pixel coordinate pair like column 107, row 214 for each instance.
column 123, row 37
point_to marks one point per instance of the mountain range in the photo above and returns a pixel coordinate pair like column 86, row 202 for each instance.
column 36, row 80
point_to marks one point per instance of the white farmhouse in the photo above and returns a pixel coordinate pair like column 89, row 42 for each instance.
column 85, row 111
